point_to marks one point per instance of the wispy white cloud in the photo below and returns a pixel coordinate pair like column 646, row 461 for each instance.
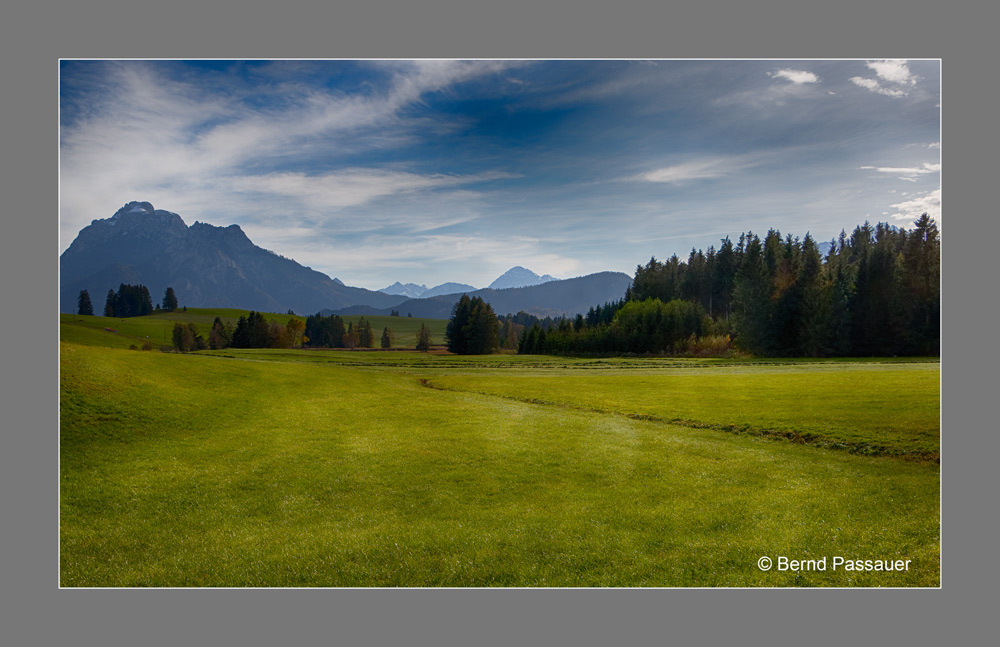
column 146, row 135
column 796, row 76
column 352, row 187
column 702, row 169
column 910, row 210
column 895, row 72
column 874, row 86
column 906, row 172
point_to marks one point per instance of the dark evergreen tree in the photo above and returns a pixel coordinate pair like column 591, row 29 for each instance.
column 455, row 332
column 386, row 341
column 423, row 338
column 473, row 328
column 169, row 300
column 84, row 306
column 324, row 332
column 482, row 331
column 724, row 279
column 252, row 331
column 874, row 324
column 752, row 299
column 921, row 269
column 366, row 338
column 815, row 314
column 109, row 304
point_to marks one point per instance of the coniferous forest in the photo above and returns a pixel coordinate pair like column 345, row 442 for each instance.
column 875, row 292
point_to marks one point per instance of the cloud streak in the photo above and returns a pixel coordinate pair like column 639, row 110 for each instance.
column 895, row 72
column 699, row 169
column 796, row 76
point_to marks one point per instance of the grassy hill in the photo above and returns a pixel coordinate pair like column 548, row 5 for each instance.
column 338, row 468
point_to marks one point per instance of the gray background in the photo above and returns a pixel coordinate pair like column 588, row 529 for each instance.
column 33, row 38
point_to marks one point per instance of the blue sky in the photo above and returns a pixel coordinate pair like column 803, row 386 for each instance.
column 430, row 171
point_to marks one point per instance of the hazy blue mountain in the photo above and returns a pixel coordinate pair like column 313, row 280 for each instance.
column 518, row 277
column 447, row 288
column 555, row 298
column 411, row 290
column 207, row 266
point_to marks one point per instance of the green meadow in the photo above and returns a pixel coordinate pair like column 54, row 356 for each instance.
column 275, row 468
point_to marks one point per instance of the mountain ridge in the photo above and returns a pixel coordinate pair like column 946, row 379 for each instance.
column 566, row 297
column 208, row 266
column 212, row 266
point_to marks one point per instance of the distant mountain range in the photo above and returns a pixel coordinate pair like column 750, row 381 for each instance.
column 515, row 277
column 211, row 266
column 414, row 291
column 554, row 298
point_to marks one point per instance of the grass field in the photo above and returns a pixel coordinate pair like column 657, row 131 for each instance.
column 337, row 468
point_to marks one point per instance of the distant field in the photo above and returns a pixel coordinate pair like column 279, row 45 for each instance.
column 158, row 328
column 338, row 468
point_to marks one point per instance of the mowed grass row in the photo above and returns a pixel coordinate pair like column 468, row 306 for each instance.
column 193, row 470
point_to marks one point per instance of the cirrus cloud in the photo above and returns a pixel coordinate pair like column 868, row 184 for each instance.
column 796, row 76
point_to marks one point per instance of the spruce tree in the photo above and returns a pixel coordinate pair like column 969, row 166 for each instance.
column 752, row 300
column 169, row 300
column 455, row 332
column 921, row 276
column 84, row 306
column 423, row 338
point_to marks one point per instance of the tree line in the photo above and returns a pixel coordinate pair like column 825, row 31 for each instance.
column 128, row 301
column 330, row 332
column 874, row 293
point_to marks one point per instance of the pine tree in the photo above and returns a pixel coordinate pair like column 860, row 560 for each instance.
column 423, row 338
column 386, row 341
column 473, row 328
column 169, row 300
column 482, row 332
column 752, row 300
column 815, row 316
column 84, row 306
column 455, row 331
column 921, row 270
column 366, row 338
column 723, row 280
column 109, row 304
